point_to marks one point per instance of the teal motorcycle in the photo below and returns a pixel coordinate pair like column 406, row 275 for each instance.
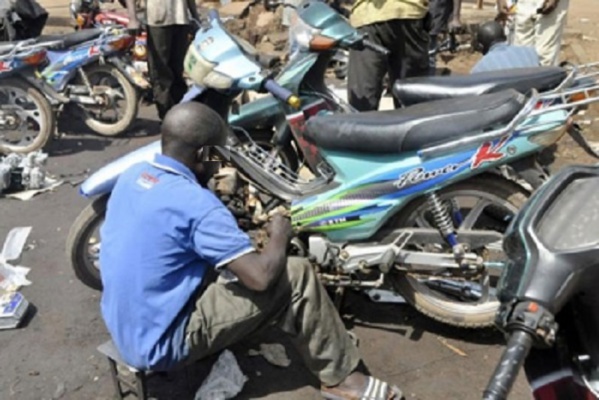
column 409, row 202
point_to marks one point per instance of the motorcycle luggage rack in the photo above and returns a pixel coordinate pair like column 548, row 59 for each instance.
column 289, row 182
column 558, row 100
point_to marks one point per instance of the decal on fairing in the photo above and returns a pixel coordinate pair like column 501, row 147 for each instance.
column 418, row 175
column 489, row 152
column 5, row 66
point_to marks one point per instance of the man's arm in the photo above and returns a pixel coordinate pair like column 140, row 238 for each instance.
column 257, row 271
column 456, row 22
column 193, row 9
column 132, row 10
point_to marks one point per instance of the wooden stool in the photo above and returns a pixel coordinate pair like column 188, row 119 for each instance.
column 136, row 386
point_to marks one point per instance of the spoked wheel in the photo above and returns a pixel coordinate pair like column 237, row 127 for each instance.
column 450, row 296
column 83, row 243
column 26, row 117
column 118, row 98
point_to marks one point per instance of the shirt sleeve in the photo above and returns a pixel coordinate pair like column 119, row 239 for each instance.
column 218, row 239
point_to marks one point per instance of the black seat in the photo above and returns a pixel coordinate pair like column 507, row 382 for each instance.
column 416, row 127
column 420, row 90
column 71, row 39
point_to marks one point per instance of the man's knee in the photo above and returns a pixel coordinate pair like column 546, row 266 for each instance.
column 299, row 271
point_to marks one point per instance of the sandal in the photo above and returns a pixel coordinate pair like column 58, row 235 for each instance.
column 375, row 390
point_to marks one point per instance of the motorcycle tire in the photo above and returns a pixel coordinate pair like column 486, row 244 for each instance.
column 78, row 242
column 47, row 118
column 455, row 313
column 131, row 101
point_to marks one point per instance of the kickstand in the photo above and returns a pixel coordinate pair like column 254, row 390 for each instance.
column 339, row 298
column 576, row 133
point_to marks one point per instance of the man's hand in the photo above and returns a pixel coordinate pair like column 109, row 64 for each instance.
column 548, row 7
column 455, row 25
column 134, row 26
column 280, row 227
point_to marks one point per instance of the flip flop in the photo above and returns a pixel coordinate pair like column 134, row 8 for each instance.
column 375, row 390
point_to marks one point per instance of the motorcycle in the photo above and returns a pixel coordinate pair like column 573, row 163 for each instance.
column 549, row 302
column 26, row 117
column 404, row 202
column 84, row 70
column 88, row 14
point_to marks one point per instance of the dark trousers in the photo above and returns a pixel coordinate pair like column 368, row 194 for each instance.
column 407, row 41
column 167, row 46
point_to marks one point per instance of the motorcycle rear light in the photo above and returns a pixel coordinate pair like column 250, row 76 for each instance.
column 35, row 58
column 321, row 43
column 123, row 43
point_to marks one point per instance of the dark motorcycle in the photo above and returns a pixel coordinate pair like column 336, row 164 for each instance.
column 548, row 293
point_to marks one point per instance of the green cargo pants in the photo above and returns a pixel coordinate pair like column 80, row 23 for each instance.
column 297, row 303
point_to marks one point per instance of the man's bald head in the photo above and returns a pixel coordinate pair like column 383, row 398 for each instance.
column 189, row 127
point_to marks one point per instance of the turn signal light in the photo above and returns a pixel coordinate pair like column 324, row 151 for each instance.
column 123, row 43
column 36, row 58
column 322, row 43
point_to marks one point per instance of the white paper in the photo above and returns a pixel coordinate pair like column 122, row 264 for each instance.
column 13, row 277
column 29, row 194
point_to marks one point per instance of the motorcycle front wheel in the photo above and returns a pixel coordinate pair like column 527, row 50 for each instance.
column 486, row 202
column 120, row 101
column 83, row 243
column 27, row 121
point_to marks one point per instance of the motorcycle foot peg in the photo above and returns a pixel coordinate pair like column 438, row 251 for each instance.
column 387, row 261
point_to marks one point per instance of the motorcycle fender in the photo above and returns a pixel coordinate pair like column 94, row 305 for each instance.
column 134, row 76
column 103, row 180
column 192, row 93
column 529, row 170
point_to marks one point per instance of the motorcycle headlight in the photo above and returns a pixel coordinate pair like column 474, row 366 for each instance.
column 217, row 80
column 201, row 71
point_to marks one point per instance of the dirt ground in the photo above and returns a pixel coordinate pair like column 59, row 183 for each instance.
column 53, row 355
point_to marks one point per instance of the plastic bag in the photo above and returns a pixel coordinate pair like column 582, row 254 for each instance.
column 225, row 380
column 13, row 277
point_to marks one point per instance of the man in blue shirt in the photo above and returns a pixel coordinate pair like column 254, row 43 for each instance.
column 163, row 236
column 498, row 54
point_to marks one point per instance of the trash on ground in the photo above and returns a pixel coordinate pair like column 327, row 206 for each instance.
column 22, row 176
column 451, row 347
column 13, row 308
column 225, row 380
column 274, row 353
column 13, row 277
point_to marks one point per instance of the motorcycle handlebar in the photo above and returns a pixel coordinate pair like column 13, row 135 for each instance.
column 509, row 365
column 281, row 93
column 375, row 47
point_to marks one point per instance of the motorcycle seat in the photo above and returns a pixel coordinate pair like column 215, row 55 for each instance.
column 71, row 39
column 420, row 90
column 414, row 128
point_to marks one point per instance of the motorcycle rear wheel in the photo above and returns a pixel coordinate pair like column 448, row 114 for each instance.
column 500, row 194
column 94, row 120
column 38, row 113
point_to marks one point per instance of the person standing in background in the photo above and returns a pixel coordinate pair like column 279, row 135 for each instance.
column 539, row 24
column 445, row 17
column 402, row 27
column 168, row 38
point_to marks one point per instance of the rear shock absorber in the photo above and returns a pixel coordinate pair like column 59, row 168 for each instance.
column 444, row 222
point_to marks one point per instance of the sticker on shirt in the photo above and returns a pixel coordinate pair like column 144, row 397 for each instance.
column 147, row 181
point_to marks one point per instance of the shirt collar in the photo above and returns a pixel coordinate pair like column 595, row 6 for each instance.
column 498, row 46
column 167, row 163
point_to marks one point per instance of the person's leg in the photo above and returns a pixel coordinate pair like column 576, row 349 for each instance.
column 161, row 75
column 416, row 39
column 179, row 50
column 524, row 24
column 366, row 72
column 227, row 313
column 549, row 32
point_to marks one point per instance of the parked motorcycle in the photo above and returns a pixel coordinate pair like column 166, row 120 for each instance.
column 549, row 300
column 84, row 70
column 27, row 120
column 321, row 33
column 404, row 200
column 88, row 14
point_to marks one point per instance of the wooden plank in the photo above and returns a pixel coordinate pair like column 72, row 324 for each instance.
column 479, row 4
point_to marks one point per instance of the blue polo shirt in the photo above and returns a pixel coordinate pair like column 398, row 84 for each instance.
column 162, row 231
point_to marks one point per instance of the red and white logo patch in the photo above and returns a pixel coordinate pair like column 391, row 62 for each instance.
column 4, row 66
column 488, row 153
